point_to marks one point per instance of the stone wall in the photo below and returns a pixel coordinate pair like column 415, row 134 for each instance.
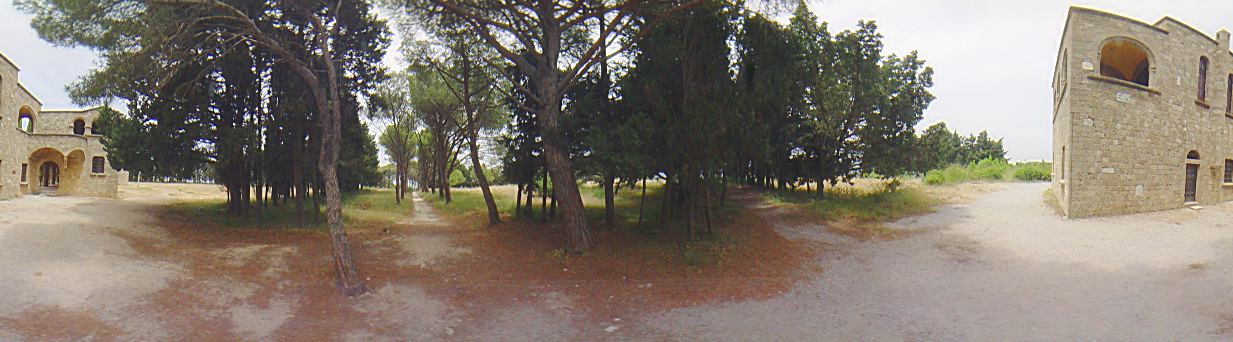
column 1125, row 145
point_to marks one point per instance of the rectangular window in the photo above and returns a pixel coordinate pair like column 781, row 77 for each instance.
column 23, row 172
column 1228, row 170
column 96, row 165
column 1228, row 98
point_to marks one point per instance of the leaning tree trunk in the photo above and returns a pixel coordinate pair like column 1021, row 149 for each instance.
column 493, row 217
column 556, row 156
column 349, row 280
column 348, row 273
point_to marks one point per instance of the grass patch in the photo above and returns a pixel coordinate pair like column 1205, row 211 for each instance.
column 669, row 239
column 862, row 203
column 990, row 170
column 861, row 209
column 367, row 205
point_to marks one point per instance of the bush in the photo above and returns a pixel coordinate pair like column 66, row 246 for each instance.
column 951, row 174
column 990, row 169
column 1034, row 171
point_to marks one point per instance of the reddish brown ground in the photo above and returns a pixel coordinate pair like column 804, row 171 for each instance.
column 626, row 274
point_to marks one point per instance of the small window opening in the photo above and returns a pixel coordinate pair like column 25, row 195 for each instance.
column 97, row 164
column 1203, row 78
column 1126, row 61
column 1228, row 170
column 23, row 172
column 79, row 127
column 1228, row 97
column 1192, row 155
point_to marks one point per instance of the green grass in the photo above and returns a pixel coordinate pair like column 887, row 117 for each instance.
column 876, row 203
column 468, row 204
column 368, row 205
column 990, row 170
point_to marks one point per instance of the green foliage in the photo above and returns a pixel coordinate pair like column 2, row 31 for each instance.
column 938, row 146
column 1034, row 171
column 214, row 86
column 990, row 169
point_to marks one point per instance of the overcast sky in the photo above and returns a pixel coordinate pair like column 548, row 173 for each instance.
column 993, row 60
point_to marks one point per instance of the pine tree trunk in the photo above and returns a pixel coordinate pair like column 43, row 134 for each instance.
column 349, row 280
column 530, row 207
column 543, row 200
column 518, row 201
column 642, row 203
column 609, row 202
column 493, row 217
column 556, row 150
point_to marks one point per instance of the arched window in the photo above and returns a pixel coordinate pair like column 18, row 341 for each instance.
column 79, row 127
column 97, row 164
column 1125, row 60
column 1192, row 155
column 1203, row 78
column 25, row 121
column 95, row 128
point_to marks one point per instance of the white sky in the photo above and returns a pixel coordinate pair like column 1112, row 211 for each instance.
column 993, row 59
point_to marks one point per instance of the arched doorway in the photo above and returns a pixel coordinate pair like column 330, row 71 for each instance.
column 49, row 175
column 52, row 171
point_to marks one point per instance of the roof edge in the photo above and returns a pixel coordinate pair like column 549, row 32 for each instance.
column 71, row 110
column 10, row 61
column 28, row 92
column 1187, row 26
column 1089, row 10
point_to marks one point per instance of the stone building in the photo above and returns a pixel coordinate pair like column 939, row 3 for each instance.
column 1142, row 117
column 53, row 152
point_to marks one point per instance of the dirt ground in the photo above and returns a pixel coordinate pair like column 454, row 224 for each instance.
column 1003, row 267
column 998, row 265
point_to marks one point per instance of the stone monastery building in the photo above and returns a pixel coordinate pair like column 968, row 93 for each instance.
column 53, row 152
column 1143, row 118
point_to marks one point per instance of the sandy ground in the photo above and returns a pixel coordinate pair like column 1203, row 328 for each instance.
column 64, row 254
column 1001, row 268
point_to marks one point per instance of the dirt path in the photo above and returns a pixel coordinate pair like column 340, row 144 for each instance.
column 1003, row 267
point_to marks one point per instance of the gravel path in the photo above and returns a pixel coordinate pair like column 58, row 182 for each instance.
column 1002, row 268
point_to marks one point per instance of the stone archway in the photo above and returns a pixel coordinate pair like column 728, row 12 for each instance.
column 53, row 172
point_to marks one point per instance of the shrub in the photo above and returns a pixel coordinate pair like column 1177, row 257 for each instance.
column 989, row 169
column 1034, row 171
column 951, row 174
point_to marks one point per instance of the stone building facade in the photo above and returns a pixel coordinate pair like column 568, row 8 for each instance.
column 53, row 152
column 1142, row 116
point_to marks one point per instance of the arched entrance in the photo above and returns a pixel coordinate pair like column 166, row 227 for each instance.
column 53, row 172
column 49, row 176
